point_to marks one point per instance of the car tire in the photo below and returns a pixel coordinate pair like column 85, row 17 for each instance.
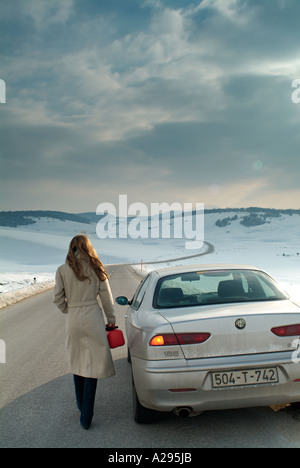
column 128, row 356
column 296, row 405
column 141, row 415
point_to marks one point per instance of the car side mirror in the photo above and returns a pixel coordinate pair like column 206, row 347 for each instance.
column 122, row 300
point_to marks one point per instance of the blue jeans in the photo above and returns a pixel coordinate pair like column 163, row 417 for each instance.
column 85, row 391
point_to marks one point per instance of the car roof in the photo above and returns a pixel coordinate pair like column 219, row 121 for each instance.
column 208, row 267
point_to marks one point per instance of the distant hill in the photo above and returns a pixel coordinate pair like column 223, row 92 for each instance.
column 22, row 218
column 253, row 216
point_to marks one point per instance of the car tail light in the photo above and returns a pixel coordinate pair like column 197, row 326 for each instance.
column 192, row 338
column 287, row 330
column 164, row 340
column 179, row 338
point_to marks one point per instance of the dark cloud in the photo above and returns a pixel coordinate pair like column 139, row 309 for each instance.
column 149, row 98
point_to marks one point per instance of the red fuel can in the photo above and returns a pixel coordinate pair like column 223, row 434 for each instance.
column 115, row 338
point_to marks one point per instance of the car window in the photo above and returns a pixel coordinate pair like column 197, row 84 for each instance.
column 215, row 287
column 140, row 293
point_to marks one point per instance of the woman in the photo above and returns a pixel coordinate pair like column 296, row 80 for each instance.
column 78, row 284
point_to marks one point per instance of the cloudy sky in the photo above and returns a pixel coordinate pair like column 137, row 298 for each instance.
column 162, row 100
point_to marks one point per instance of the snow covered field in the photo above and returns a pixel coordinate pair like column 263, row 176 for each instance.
column 36, row 250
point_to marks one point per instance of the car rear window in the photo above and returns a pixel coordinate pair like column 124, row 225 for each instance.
column 215, row 287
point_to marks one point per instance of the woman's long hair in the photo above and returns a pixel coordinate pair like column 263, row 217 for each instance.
column 81, row 248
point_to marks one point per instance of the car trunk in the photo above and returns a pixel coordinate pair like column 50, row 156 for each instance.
column 226, row 339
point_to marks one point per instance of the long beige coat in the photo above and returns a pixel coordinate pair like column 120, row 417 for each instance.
column 88, row 350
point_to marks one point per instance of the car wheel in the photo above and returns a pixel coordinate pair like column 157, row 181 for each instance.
column 296, row 405
column 128, row 356
column 141, row 414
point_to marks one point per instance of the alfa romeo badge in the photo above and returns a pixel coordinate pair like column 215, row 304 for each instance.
column 240, row 323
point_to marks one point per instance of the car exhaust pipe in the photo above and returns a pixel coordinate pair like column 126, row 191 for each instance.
column 183, row 411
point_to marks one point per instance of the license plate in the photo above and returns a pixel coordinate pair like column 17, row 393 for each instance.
column 260, row 376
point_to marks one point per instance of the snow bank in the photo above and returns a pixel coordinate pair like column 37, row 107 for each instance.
column 15, row 287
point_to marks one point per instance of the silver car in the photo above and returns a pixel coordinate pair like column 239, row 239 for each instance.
column 211, row 337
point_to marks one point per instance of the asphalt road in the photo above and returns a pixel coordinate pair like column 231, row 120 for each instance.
column 37, row 404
